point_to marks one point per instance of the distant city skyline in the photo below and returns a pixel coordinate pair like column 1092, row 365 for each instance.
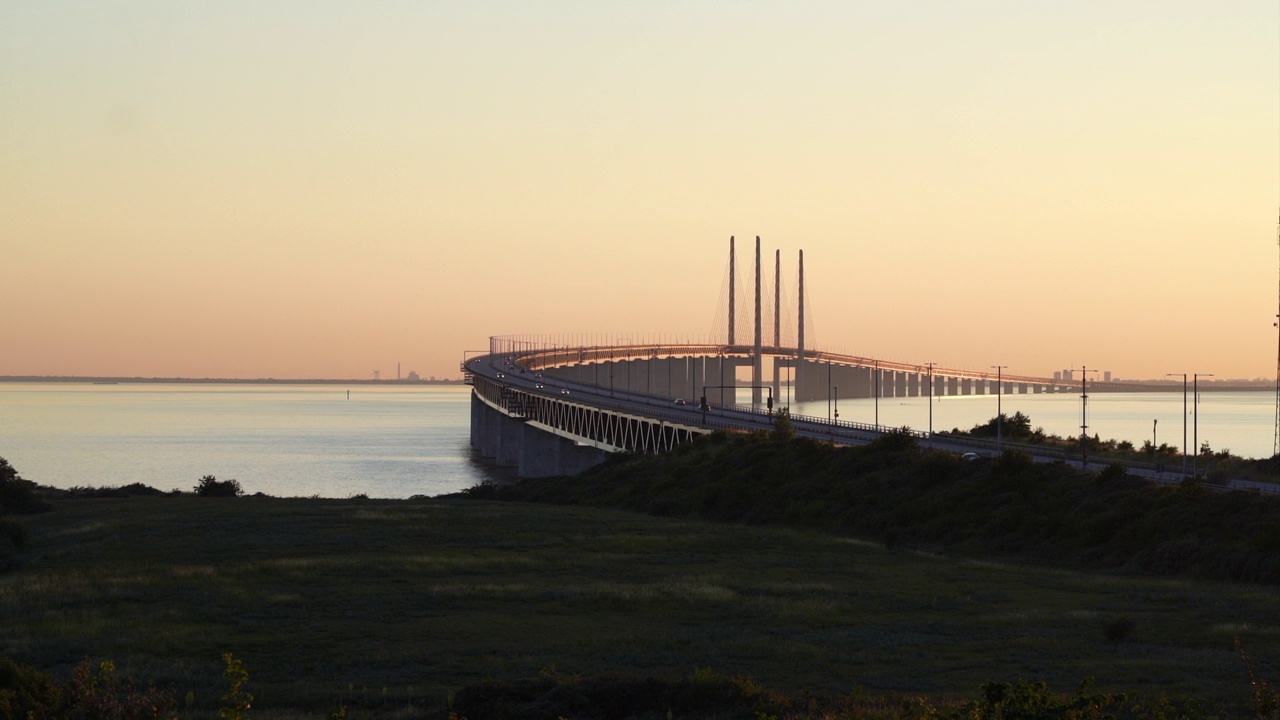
column 322, row 190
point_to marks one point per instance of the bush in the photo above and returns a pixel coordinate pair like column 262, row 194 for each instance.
column 102, row 696
column 210, row 486
column 26, row 692
column 18, row 495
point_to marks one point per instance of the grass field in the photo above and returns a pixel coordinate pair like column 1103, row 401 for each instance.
column 386, row 604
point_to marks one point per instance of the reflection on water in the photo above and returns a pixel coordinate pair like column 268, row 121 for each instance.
column 289, row 440
column 1243, row 422
column 400, row 441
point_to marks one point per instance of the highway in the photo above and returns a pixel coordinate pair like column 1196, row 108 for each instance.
column 505, row 369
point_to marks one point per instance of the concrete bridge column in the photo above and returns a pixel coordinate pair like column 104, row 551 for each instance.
column 1022, row 388
column 487, row 426
column 663, row 383
column 888, row 383
column 636, row 377
column 861, row 382
column 714, row 373
column 913, row 385
column 538, row 453
column 575, row 458
column 953, row 386
column 509, row 434
column 966, row 386
column 477, row 421
column 900, row 384
column 980, row 386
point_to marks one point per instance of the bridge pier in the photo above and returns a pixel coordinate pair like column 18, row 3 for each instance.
column 545, row 454
column 913, row 385
column 508, row 431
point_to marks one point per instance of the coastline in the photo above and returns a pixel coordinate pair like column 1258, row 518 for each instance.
column 214, row 381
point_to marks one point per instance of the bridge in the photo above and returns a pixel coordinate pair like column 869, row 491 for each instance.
column 555, row 405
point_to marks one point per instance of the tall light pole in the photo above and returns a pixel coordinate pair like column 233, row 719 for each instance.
column 1184, row 418
column 1084, row 417
column 999, row 410
column 930, row 366
column 1195, row 425
column 828, row 391
column 877, row 393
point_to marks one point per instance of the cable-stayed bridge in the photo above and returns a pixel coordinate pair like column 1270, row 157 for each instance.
column 556, row 405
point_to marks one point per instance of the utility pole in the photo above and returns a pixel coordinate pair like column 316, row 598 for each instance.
column 999, row 410
column 930, row 366
column 1275, row 448
column 877, row 393
column 1195, row 425
column 1084, row 416
column 1184, row 419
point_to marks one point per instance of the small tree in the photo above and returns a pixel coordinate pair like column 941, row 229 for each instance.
column 783, row 429
column 18, row 495
column 210, row 486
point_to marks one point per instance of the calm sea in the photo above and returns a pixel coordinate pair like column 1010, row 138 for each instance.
column 285, row 440
column 1242, row 422
column 399, row 441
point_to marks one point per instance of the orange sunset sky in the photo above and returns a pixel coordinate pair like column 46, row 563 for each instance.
column 322, row 189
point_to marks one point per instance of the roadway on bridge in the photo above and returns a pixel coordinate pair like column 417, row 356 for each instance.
column 506, row 370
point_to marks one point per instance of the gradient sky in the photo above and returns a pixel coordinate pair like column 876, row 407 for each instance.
column 322, row 189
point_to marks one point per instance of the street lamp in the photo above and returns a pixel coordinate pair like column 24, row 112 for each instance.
column 999, row 410
column 877, row 394
column 1084, row 417
column 1195, row 425
column 1184, row 418
column 930, row 366
column 828, row 391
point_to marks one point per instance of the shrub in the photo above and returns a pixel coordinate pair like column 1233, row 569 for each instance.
column 26, row 692
column 210, row 486
column 102, row 696
column 783, row 429
column 18, row 495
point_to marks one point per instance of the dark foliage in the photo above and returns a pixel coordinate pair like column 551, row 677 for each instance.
column 210, row 486
column 1017, row 426
column 130, row 490
column 101, row 695
column 26, row 692
column 893, row 491
column 703, row 695
column 18, row 496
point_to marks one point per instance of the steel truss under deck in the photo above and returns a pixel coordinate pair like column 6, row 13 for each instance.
column 605, row 429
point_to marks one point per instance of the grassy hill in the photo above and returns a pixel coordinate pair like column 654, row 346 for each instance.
column 899, row 494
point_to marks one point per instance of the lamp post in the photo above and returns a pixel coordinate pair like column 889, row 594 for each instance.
column 828, row 391
column 1195, row 424
column 1084, row 417
column 930, row 366
column 1184, row 418
column 877, row 393
column 999, row 410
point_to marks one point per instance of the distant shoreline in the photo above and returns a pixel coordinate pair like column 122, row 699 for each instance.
column 1136, row 386
column 210, row 381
